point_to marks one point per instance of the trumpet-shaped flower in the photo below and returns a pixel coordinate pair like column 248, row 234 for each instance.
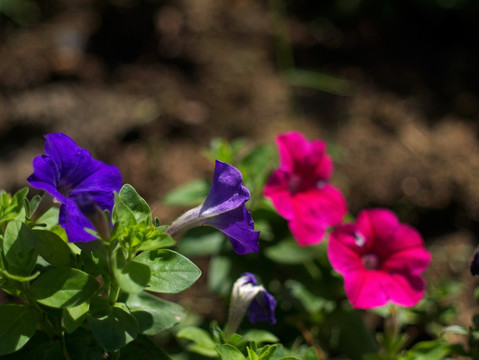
column 67, row 171
column 249, row 298
column 225, row 210
column 300, row 191
column 380, row 259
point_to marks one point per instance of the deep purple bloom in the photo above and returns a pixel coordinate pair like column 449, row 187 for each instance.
column 67, row 171
column 249, row 298
column 225, row 210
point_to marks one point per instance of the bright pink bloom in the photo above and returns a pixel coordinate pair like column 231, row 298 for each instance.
column 381, row 260
column 300, row 191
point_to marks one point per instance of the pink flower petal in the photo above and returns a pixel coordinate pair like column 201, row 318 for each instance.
column 323, row 167
column 381, row 260
column 405, row 237
column 366, row 289
column 292, row 146
column 278, row 191
column 314, row 212
column 405, row 290
column 378, row 224
column 410, row 261
column 343, row 252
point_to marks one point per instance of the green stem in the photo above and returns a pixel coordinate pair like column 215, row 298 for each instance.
column 113, row 288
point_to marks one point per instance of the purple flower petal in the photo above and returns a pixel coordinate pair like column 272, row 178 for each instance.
column 65, row 171
column 262, row 308
column 225, row 210
column 238, row 226
column 74, row 222
column 227, row 191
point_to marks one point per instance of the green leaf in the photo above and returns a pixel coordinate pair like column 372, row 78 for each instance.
column 136, row 204
column 251, row 354
column 202, row 342
column 114, row 330
column 74, row 316
column 355, row 339
column 455, row 329
column 154, row 314
column 190, row 194
column 311, row 302
column 201, row 242
column 310, row 354
column 12, row 207
column 132, row 276
column 229, row 352
column 267, row 352
column 19, row 247
column 157, row 241
column 122, row 214
column 53, row 249
column 64, row 287
column 18, row 324
column 428, row 350
column 260, row 336
column 289, row 252
column 256, row 166
column 219, row 281
column 170, row 271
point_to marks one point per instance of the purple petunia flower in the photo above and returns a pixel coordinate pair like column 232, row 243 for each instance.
column 67, row 171
column 300, row 191
column 251, row 299
column 225, row 210
column 263, row 304
column 381, row 260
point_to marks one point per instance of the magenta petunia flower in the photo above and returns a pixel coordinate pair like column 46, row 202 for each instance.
column 381, row 260
column 225, row 210
column 300, row 191
column 67, row 171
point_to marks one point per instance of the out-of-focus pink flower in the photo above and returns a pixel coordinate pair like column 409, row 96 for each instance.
column 381, row 260
column 300, row 191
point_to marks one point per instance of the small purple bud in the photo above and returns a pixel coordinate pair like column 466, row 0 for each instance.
column 474, row 267
column 249, row 298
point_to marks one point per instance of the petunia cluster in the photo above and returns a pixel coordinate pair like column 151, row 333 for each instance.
column 380, row 259
column 84, row 187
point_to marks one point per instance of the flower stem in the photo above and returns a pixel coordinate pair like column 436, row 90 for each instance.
column 113, row 288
